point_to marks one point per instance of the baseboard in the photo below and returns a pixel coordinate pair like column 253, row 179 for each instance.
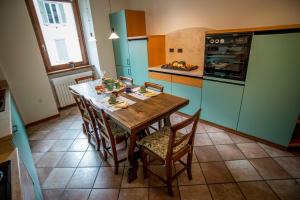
column 278, row 146
column 41, row 120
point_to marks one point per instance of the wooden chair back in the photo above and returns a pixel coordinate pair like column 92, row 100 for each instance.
column 84, row 79
column 125, row 79
column 79, row 101
column 154, row 86
column 103, row 125
column 187, row 140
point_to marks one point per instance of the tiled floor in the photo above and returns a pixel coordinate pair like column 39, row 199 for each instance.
column 225, row 166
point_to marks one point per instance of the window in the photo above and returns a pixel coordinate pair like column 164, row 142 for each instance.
column 58, row 29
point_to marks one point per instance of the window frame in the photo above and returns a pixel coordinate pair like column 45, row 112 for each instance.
column 41, row 42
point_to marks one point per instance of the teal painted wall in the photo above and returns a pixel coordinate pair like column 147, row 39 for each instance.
column 139, row 61
column 221, row 103
column 21, row 142
column 271, row 102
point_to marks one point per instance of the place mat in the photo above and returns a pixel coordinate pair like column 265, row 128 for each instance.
column 143, row 96
column 121, row 100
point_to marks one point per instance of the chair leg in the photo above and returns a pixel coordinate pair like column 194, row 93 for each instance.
column 104, row 149
column 169, row 178
column 126, row 143
column 145, row 162
column 84, row 129
column 189, row 166
column 116, row 167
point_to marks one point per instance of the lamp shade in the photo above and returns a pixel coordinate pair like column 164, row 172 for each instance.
column 113, row 35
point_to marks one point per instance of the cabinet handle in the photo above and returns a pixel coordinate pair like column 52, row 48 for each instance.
column 129, row 71
column 15, row 128
column 128, row 61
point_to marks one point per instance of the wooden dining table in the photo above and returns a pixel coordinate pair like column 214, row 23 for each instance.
column 136, row 117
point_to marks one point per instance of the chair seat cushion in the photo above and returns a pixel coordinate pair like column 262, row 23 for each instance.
column 116, row 130
column 158, row 142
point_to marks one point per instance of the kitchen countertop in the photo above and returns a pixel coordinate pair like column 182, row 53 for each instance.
column 198, row 73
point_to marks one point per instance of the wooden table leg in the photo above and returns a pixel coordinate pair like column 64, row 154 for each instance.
column 167, row 121
column 133, row 165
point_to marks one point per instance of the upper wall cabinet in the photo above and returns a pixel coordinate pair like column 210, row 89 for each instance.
column 126, row 23
column 271, row 101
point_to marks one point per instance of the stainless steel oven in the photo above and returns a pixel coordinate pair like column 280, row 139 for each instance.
column 226, row 55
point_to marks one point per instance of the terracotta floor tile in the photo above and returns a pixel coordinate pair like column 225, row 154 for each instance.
column 184, row 158
column 139, row 182
column 211, row 129
column 69, row 134
column 274, row 152
column 154, row 181
column 239, row 139
column 107, row 179
column 291, row 165
column 82, row 136
column 257, row 190
column 242, row 170
column 228, row 191
column 58, row 178
column 90, row 159
column 62, row 125
column 43, row 173
column 76, row 124
column 104, row 194
column 133, row 194
column 75, row 194
column 54, row 135
column 41, row 145
column 220, row 138
column 216, row 172
column 207, row 154
column 79, row 145
column 52, row 194
column 37, row 156
column 161, row 193
column 202, row 140
column 61, row 145
column 38, row 135
column 83, row 178
column 252, row 150
column 197, row 176
column 286, row 189
column 269, row 169
column 230, row 152
column 200, row 128
column 194, row 192
column 50, row 159
column 70, row 159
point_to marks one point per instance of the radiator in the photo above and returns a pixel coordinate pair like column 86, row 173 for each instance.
column 61, row 87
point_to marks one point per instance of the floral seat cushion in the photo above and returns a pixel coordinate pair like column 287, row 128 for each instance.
column 158, row 142
column 116, row 130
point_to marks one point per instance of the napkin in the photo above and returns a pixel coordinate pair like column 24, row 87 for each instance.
column 122, row 105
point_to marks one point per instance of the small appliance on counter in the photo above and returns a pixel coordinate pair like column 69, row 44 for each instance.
column 5, row 180
column 226, row 55
column 179, row 65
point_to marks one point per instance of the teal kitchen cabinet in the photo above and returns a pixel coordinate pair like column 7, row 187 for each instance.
column 221, row 103
column 193, row 94
column 139, row 61
column 20, row 140
column 120, row 46
column 167, row 85
column 271, row 101
column 123, row 71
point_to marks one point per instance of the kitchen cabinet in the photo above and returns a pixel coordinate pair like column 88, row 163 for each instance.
column 139, row 61
column 221, row 103
column 271, row 101
column 123, row 71
column 193, row 94
column 167, row 85
column 126, row 23
column 162, row 79
column 20, row 140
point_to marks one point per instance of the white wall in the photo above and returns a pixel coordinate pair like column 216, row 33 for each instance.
column 22, row 63
column 164, row 16
column 100, row 14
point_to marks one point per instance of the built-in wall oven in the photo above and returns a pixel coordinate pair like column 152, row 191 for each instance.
column 226, row 55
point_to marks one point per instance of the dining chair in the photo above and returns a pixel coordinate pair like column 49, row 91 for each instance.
column 111, row 135
column 88, row 122
column 84, row 79
column 126, row 79
column 169, row 146
column 158, row 88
